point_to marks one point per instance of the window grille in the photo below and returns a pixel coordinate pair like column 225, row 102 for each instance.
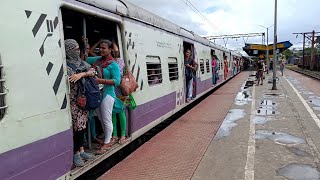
column 202, row 66
column 208, row 65
column 154, row 70
column 3, row 93
column 173, row 68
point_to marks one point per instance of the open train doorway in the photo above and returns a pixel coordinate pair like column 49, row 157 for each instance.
column 190, row 70
column 91, row 32
column 214, row 67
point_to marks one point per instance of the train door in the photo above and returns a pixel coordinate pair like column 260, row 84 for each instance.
column 214, row 66
column 191, row 85
column 88, row 31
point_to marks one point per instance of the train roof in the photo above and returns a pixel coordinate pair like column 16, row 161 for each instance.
column 133, row 11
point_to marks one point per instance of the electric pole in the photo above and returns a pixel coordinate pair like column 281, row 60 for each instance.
column 311, row 36
column 312, row 51
column 274, row 81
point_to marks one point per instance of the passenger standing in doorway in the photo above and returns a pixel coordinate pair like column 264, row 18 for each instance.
column 214, row 70
column 110, row 103
column 234, row 66
column 189, row 68
column 79, row 115
column 225, row 61
column 121, row 116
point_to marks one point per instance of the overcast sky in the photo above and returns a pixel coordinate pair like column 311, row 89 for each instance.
column 240, row 16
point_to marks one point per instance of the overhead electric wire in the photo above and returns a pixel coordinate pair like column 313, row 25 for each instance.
column 194, row 9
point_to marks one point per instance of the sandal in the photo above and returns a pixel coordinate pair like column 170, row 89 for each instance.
column 122, row 140
column 114, row 140
column 99, row 141
column 103, row 150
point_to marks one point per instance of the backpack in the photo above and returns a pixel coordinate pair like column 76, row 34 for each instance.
column 89, row 96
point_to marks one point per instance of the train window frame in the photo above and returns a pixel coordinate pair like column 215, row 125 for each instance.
column 202, row 66
column 3, row 93
column 207, row 65
column 154, row 63
column 173, row 67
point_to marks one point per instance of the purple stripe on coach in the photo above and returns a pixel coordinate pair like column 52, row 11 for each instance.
column 203, row 85
column 47, row 158
column 150, row 111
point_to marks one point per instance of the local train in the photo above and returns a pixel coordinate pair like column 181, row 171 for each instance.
column 35, row 120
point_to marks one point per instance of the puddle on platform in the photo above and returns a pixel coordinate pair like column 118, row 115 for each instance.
column 242, row 98
column 248, row 83
column 274, row 95
column 266, row 111
column 316, row 108
column 279, row 137
column 260, row 120
column 229, row 122
column 266, row 102
column 293, row 80
column 298, row 151
column 315, row 100
column 296, row 171
column 306, row 92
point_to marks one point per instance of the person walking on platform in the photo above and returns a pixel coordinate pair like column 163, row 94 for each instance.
column 271, row 66
column 260, row 72
column 189, row 68
column 282, row 67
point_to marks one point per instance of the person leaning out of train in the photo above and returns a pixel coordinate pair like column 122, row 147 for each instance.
column 79, row 115
column 109, row 78
column 189, row 69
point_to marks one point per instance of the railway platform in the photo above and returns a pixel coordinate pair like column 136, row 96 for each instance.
column 241, row 131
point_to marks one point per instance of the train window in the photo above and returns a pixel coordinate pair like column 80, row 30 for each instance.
column 154, row 71
column 3, row 93
column 208, row 65
column 202, row 66
column 173, row 68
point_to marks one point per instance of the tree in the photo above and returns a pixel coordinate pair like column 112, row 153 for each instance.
column 287, row 53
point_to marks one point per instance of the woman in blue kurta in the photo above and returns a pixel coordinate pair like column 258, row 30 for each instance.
column 110, row 78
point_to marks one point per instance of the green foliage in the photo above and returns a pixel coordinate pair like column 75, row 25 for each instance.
column 287, row 53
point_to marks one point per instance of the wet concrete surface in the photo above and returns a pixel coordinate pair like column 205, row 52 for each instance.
column 242, row 98
column 261, row 120
column 229, row 122
column 297, row 151
column 279, row 137
column 281, row 147
column 274, row 95
column 315, row 100
column 296, row 171
column 306, row 92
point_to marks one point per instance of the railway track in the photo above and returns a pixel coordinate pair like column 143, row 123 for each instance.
column 313, row 74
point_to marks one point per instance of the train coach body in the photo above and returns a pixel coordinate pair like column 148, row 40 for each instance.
column 36, row 125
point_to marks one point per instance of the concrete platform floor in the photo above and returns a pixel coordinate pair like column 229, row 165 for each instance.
column 238, row 132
